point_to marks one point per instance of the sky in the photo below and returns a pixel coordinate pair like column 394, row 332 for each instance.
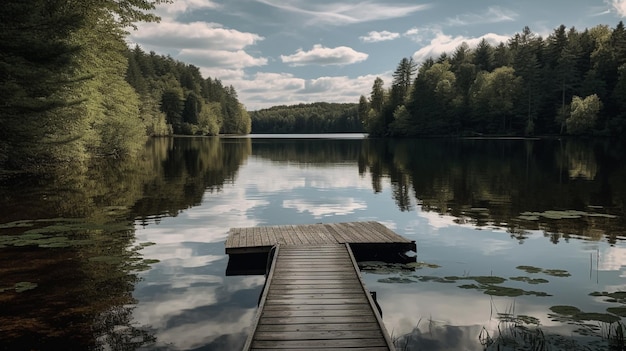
column 286, row 52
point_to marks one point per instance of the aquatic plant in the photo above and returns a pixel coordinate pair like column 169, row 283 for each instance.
column 20, row 287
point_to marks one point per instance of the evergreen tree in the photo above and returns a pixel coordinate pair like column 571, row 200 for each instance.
column 483, row 56
column 192, row 108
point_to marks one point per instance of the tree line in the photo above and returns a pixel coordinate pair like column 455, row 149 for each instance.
column 177, row 99
column 572, row 82
column 72, row 90
column 319, row 117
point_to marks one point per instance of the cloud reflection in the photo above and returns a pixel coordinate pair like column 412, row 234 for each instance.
column 326, row 206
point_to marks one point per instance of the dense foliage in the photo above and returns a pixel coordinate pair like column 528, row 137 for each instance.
column 72, row 90
column 176, row 98
column 571, row 82
column 320, row 117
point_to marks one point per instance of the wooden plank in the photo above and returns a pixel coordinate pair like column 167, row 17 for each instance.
column 312, row 234
column 380, row 348
column 362, row 237
column 234, row 236
column 262, row 301
column 326, row 234
column 351, row 237
column 261, row 237
column 315, row 307
column 312, row 313
column 290, row 238
column 368, row 230
column 318, row 326
column 395, row 237
column 318, row 344
column 319, row 335
column 302, row 235
column 319, row 320
column 314, row 298
column 339, row 236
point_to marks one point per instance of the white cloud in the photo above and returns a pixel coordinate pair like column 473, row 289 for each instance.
column 419, row 35
column 619, row 6
column 341, row 13
column 492, row 15
column 182, row 6
column 222, row 73
column 267, row 89
column 194, row 35
column 374, row 36
column 446, row 43
column 323, row 56
column 219, row 58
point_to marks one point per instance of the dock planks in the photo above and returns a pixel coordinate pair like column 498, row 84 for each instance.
column 315, row 299
column 261, row 239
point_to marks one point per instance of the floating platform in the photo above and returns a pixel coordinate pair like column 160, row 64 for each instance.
column 314, row 299
column 262, row 239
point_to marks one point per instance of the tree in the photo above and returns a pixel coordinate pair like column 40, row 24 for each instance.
column 192, row 108
column 172, row 105
column 584, row 113
column 526, row 47
column 363, row 110
column 36, row 62
column 403, row 76
column 431, row 101
column 493, row 99
column 377, row 96
column 483, row 56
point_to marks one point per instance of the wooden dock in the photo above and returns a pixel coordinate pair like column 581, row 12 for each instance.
column 314, row 299
column 262, row 239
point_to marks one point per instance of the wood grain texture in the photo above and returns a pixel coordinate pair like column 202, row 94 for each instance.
column 241, row 240
column 314, row 299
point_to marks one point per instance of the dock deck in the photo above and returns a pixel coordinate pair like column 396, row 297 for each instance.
column 261, row 239
column 314, row 299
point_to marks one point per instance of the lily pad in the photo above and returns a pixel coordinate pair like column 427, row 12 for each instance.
column 419, row 265
column 557, row 272
column 402, row 280
column 593, row 316
column 24, row 286
column 530, row 280
column 529, row 269
column 469, row 286
column 488, row 279
column 528, row 319
column 495, row 290
column 565, row 310
column 616, row 296
column 20, row 287
column 427, row 278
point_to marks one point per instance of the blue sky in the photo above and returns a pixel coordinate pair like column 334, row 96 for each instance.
column 283, row 52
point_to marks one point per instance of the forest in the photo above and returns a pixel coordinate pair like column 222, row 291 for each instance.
column 570, row 83
column 71, row 89
column 319, row 117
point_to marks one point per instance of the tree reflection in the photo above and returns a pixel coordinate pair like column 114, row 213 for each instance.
column 70, row 238
column 490, row 182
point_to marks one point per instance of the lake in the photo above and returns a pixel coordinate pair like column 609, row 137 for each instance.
column 520, row 243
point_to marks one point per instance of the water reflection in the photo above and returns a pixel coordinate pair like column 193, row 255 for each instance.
column 131, row 254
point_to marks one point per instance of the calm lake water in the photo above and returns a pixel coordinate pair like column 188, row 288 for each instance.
column 520, row 242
